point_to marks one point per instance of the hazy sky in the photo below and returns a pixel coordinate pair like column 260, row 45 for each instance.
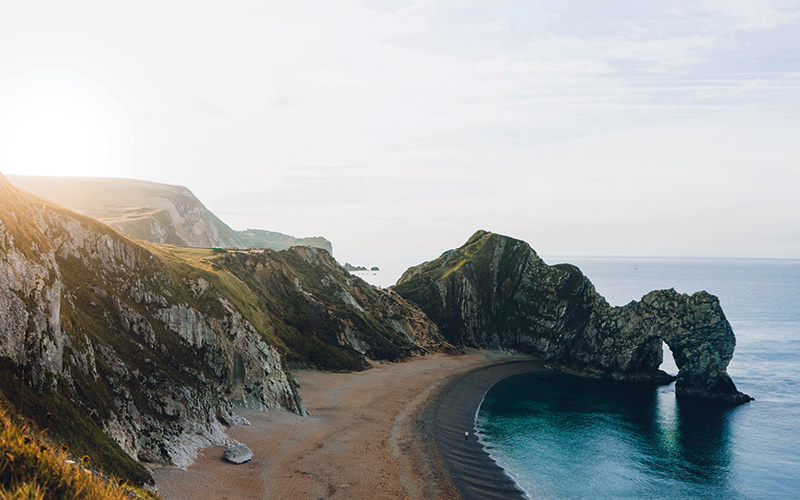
column 399, row 128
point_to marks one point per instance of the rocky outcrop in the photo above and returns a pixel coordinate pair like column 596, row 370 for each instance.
column 251, row 370
column 693, row 326
column 175, row 355
column 496, row 292
column 154, row 212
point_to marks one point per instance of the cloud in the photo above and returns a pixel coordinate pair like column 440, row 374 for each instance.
column 755, row 15
column 444, row 115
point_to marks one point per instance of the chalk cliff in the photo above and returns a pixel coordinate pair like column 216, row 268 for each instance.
column 30, row 291
column 141, row 352
column 495, row 291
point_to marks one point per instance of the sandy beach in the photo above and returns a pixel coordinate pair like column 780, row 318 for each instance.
column 393, row 431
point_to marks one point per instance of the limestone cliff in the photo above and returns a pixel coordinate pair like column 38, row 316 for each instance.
column 141, row 352
column 30, row 291
column 156, row 363
column 496, row 292
column 154, row 212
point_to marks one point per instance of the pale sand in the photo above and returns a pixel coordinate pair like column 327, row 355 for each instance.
column 365, row 437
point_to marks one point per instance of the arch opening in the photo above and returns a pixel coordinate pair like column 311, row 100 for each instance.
column 668, row 361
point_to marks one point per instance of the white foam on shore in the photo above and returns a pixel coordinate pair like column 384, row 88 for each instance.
column 486, row 446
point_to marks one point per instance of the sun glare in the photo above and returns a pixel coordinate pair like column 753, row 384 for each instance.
column 49, row 126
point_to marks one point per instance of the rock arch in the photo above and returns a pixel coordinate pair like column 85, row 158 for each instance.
column 701, row 341
column 694, row 328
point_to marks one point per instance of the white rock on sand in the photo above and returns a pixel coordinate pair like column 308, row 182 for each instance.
column 238, row 454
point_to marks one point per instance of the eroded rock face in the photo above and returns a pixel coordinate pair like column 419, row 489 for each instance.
column 189, row 386
column 30, row 291
column 693, row 326
column 495, row 292
column 306, row 289
column 156, row 360
column 156, row 346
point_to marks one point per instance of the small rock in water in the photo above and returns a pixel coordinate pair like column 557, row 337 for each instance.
column 238, row 454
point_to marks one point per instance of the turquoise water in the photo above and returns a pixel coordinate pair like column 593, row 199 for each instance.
column 562, row 437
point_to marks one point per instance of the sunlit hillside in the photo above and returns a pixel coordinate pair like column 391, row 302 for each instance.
column 34, row 467
column 154, row 212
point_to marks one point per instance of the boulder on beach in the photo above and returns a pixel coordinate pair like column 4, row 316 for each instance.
column 238, row 454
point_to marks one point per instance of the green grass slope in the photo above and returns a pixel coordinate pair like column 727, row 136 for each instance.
column 36, row 467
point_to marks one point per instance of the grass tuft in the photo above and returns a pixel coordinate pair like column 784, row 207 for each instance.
column 31, row 468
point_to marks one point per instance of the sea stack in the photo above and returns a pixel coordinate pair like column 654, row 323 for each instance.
column 495, row 292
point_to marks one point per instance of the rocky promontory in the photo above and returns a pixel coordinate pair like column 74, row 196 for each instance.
column 496, row 292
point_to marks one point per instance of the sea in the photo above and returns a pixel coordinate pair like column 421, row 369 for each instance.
column 561, row 437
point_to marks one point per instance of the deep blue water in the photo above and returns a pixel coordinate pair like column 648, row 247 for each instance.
column 563, row 437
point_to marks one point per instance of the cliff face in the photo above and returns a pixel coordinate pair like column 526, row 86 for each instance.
column 496, row 292
column 154, row 212
column 326, row 317
column 156, row 358
column 149, row 348
column 693, row 326
column 30, row 291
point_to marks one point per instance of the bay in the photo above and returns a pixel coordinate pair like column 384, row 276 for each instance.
column 562, row 437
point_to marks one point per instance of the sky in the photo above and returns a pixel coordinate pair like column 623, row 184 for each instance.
column 398, row 128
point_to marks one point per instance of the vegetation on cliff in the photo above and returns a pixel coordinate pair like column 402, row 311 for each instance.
column 33, row 467
column 324, row 316
column 74, row 425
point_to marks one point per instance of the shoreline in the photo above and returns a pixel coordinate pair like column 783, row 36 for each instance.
column 452, row 411
column 393, row 431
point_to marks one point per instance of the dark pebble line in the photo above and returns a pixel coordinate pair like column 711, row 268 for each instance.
column 452, row 412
